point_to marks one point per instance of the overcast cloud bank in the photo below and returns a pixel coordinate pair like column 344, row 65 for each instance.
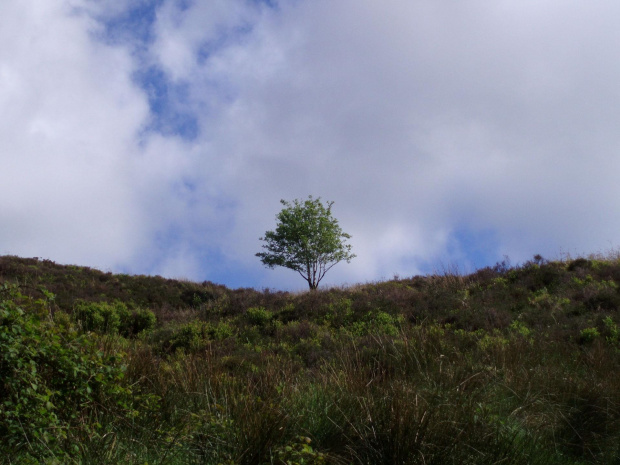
column 158, row 137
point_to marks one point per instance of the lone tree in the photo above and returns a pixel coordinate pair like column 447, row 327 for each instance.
column 307, row 239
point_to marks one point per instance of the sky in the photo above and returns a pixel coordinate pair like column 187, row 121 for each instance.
column 158, row 136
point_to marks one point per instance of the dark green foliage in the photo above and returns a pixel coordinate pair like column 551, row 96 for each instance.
column 100, row 317
column 579, row 263
column 195, row 298
column 75, row 283
column 196, row 335
column 511, row 365
column 115, row 318
column 588, row 335
column 141, row 320
column 53, row 380
column 258, row 316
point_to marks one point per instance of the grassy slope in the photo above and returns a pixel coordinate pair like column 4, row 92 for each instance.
column 507, row 365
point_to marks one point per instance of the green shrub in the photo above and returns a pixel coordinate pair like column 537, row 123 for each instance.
column 579, row 263
column 519, row 327
column 197, row 334
column 106, row 318
column 222, row 330
column 385, row 323
column 612, row 330
column 189, row 336
column 299, row 452
column 52, row 381
column 142, row 320
column 339, row 313
column 259, row 316
column 494, row 341
column 588, row 335
column 375, row 323
column 100, row 317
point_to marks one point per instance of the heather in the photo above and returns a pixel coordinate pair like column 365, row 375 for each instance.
column 509, row 364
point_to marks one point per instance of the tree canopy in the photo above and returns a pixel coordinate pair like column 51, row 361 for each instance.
column 307, row 239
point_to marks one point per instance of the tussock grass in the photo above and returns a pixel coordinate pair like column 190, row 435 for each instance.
column 508, row 364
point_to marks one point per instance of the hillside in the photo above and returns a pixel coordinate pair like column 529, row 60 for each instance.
column 505, row 365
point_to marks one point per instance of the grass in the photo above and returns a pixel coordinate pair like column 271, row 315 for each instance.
column 508, row 364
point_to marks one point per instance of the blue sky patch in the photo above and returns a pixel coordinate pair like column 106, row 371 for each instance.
column 475, row 249
column 134, row 24
column 166, row 100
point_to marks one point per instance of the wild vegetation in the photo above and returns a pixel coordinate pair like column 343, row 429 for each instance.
column 514, row 365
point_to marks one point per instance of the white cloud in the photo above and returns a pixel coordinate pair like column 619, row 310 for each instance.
column 420, row 119
column 186, row 33
column 69, row 118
